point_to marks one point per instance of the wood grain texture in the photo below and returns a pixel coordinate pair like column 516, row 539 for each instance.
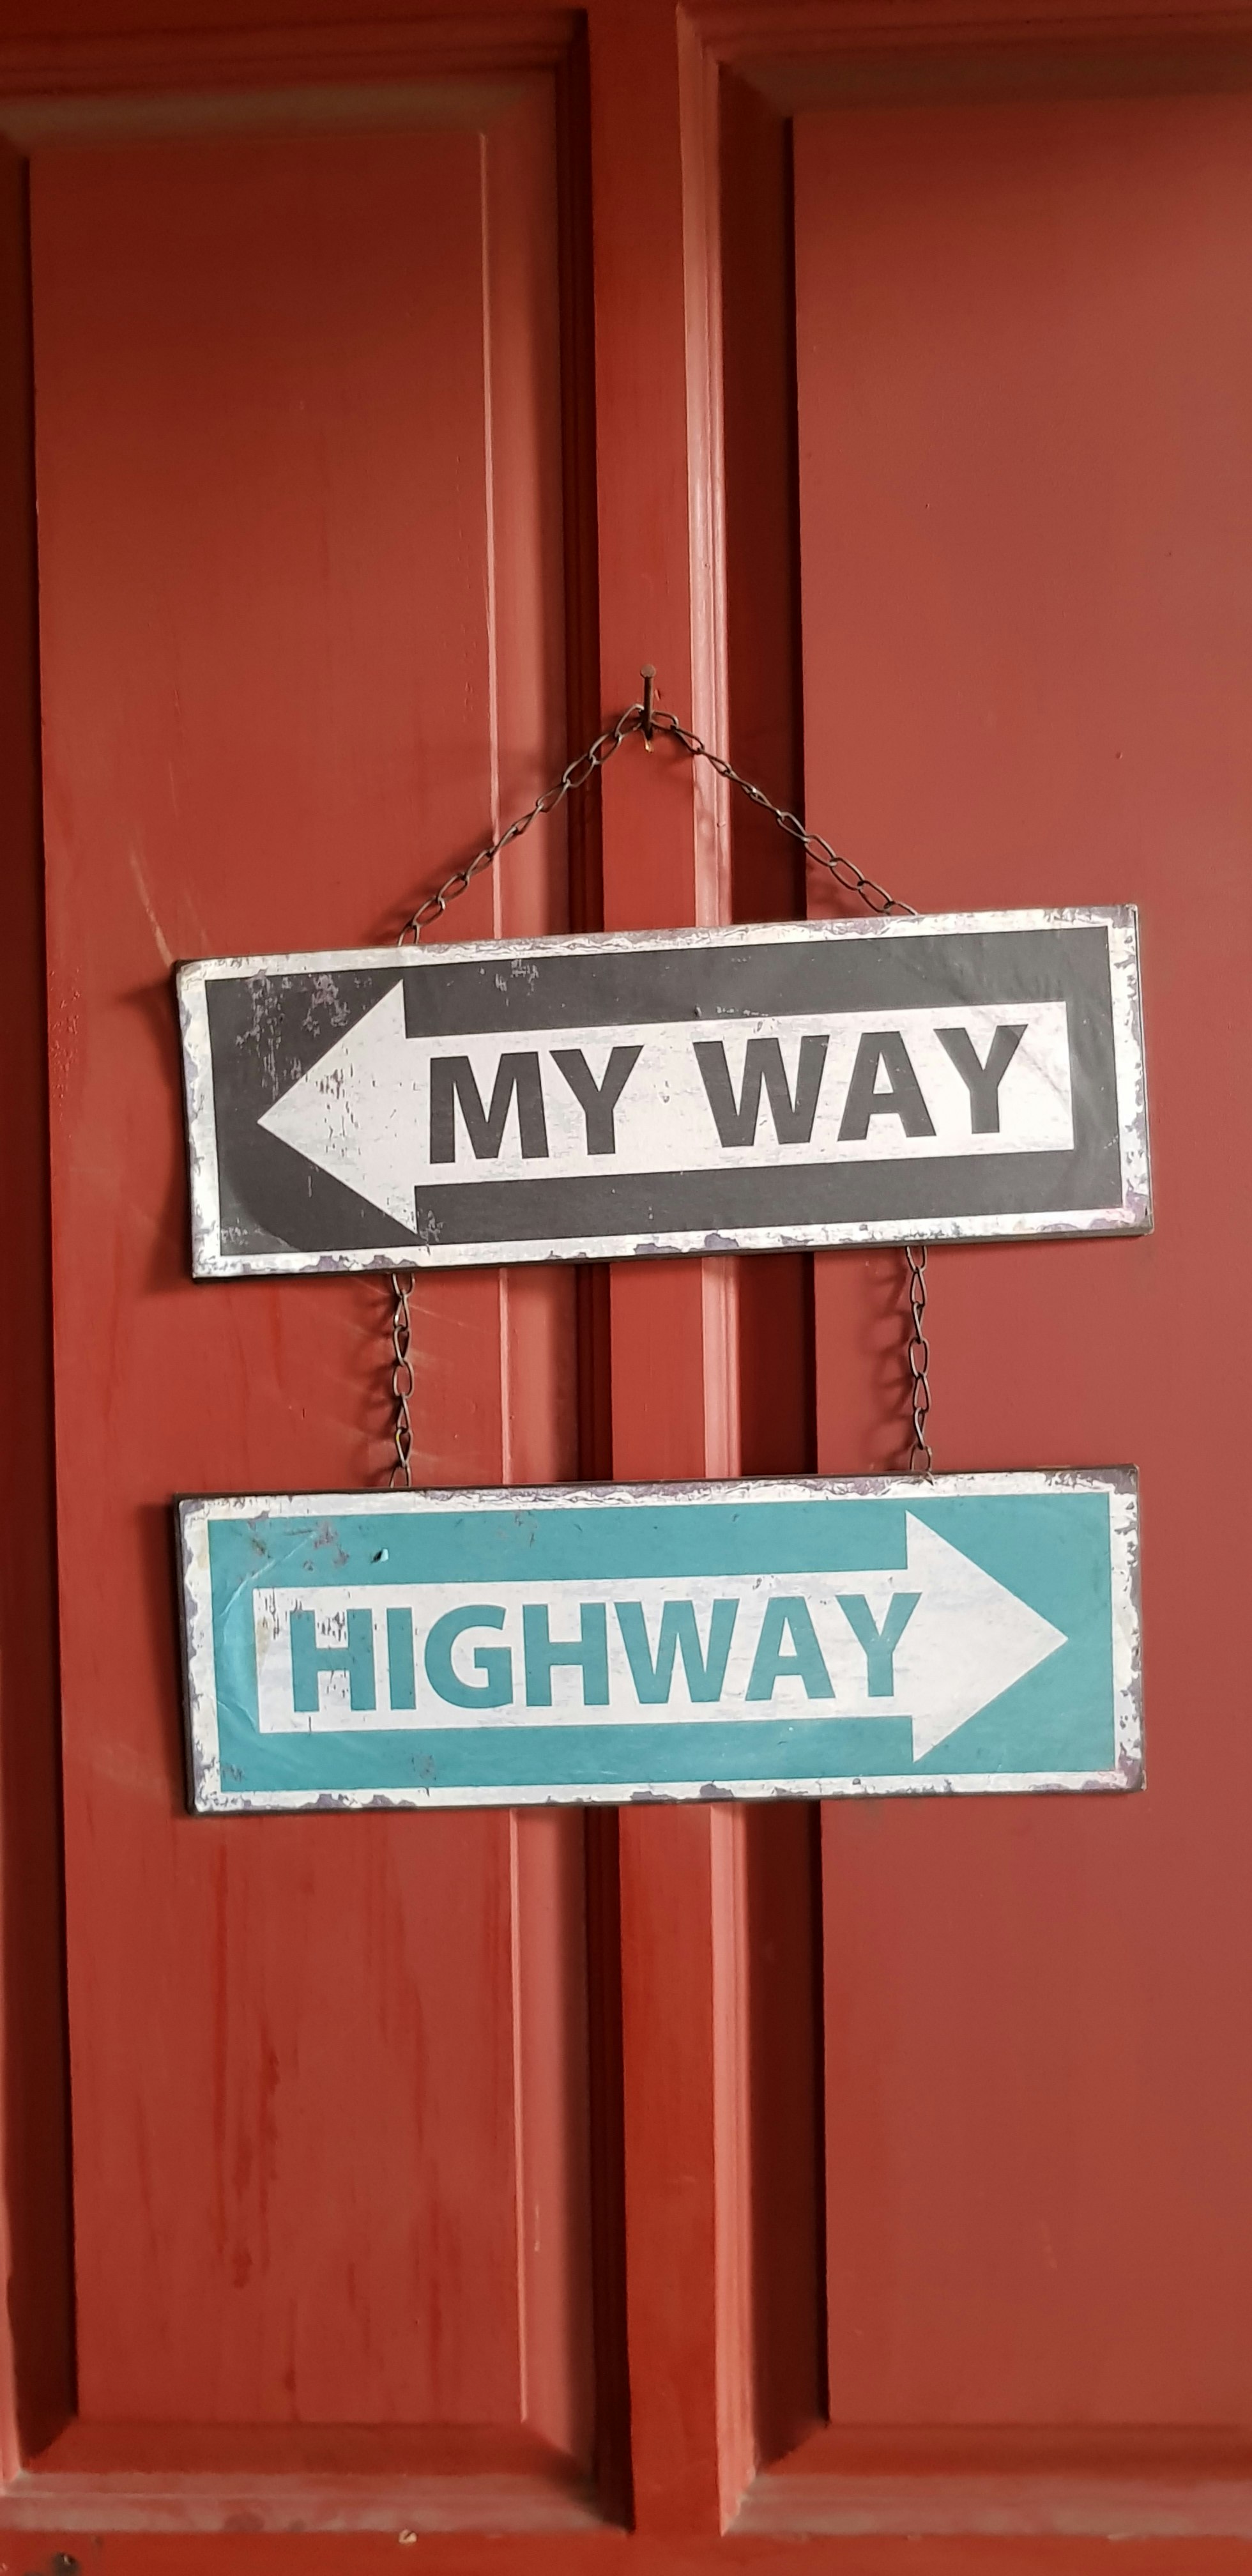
column 36, row 2362
column 561, row 2552
column 330, row 2091
column 385, row 2055
column 673, row 1395
column 1025, row 390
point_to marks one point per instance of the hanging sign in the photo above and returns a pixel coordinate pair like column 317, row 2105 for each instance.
column 812, row 1639
column 960, row 1076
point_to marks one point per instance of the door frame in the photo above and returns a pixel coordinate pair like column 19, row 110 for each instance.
column 669, row 121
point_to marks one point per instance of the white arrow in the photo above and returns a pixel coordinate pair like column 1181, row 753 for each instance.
column 355, row 1113
column 365, row 1112
column 968, row 1640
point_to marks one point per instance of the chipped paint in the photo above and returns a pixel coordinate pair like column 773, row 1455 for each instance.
column 1087, row 1694
column 440, row 1237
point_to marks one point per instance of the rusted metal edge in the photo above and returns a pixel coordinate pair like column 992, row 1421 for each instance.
column 1126, row 1772
column 1131, row 1215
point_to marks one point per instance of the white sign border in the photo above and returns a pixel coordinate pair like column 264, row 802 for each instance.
column 1119, row 1483
column 1132, row 1215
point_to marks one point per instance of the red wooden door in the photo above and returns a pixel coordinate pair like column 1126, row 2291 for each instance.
column 862, row 2188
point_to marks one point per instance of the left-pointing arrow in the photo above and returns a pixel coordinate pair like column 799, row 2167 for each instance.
column 354, row 1114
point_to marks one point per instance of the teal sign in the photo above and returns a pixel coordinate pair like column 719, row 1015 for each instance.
column 812, row 1639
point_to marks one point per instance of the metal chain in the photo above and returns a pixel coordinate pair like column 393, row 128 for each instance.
column 646, row 718
column 868, row 891
column 433, row 906
column 578, row 774
column 403, row 1283
column 919, row 1360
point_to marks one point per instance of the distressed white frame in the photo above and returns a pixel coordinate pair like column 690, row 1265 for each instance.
column 1120, row 1484
column 1132, row 1214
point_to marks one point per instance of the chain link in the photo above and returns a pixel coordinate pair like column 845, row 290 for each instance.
column 867, row 890
column 646, row 718
column 579, row 773
column 403, row 1381
column 920, row 1462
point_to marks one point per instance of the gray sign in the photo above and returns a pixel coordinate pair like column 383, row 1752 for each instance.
column 957, row 1076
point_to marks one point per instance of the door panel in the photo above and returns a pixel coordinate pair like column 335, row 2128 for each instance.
column 302, row 606
column 398, row 391
column 1025, row 390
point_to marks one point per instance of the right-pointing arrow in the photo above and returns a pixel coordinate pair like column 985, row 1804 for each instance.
column 968, row 1639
